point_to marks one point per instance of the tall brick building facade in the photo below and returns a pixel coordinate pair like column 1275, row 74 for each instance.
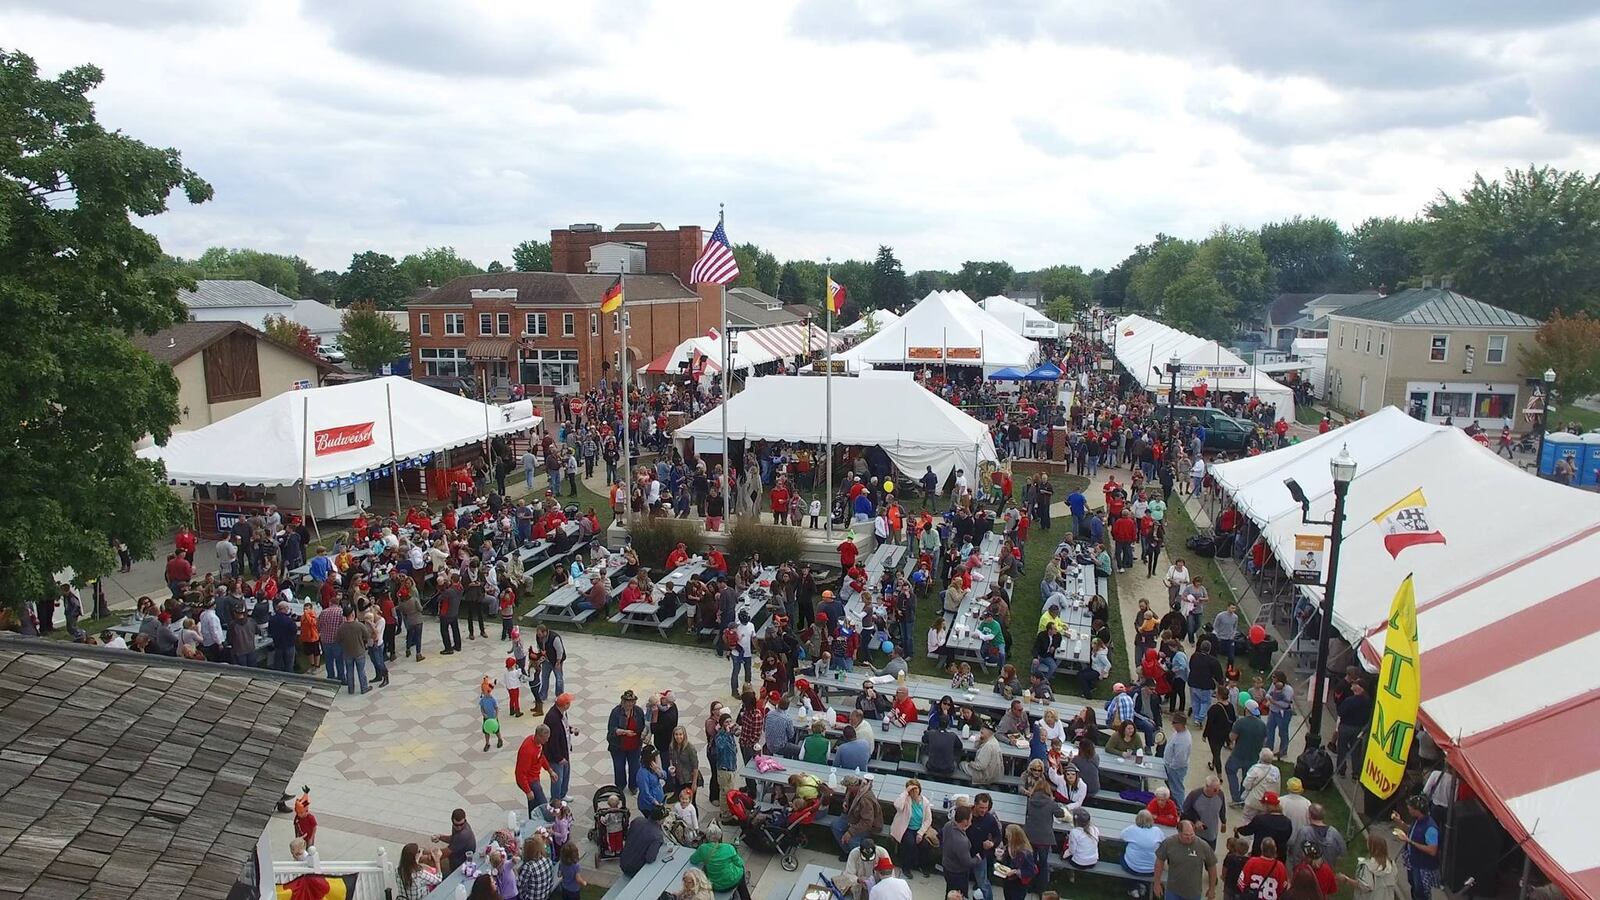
column 545, row 331
column 667, row 252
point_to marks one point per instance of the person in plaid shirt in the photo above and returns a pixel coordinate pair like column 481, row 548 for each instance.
column 1120, row 707
column 536, row 879
column 751, row 724
column 328, row 622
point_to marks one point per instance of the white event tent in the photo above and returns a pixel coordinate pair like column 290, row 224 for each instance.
column 882, row 318
column 323, row 435
column 1030, row 323
column 885, row 409
column 1145, row 346
column 756, row 346
column 947, row 328
column 1508, row 611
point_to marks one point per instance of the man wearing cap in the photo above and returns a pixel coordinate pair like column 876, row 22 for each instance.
column 1268, row 824
column 987, row 766
column 862, row 818
column 1294, row 803
column 862, row 866
column 624, row 740
column 1248, row 736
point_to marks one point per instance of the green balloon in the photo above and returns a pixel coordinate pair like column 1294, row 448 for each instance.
column 491, row 726
column 1244, row 698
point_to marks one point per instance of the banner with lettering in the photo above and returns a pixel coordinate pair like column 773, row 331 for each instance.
column 341, row 438
column 1399, row 694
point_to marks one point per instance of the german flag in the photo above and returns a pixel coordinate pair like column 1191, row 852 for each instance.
column 611, row 301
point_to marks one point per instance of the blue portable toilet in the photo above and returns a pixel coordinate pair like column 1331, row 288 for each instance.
column 1589, row 460
column 1556, row 445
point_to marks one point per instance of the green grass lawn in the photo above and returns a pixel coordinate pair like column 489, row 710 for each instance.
column 1587, row 419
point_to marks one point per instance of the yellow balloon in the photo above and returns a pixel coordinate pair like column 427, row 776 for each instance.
column 888, row 487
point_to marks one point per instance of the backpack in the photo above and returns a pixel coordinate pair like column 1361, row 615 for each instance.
column 730, row 639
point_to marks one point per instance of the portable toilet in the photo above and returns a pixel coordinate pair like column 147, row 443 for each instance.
column 1556, row 445
column 1589, row 462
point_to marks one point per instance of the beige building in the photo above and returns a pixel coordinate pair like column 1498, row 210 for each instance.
column 1432, row 352
column 225, row 367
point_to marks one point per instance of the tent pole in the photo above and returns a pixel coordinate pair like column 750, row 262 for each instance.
column 728, row 500
column 627, row 416
column 827, row 301
column 394, row 461
column 305, row 453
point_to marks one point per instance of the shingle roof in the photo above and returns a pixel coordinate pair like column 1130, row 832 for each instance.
column 746, row 308
column 221, row 294
column 554, row 288
column 184, row 339
column 1435, row 306
column 1285, row 308
column 134, row 775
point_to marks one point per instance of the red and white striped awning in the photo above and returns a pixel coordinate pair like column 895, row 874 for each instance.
column 1510, row 674
column 784, row 341
column 757, row 346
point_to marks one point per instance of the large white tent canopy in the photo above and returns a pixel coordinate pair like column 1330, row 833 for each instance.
column 1508, row 611
column 1145, row 346
column 1029, row 323
column 947, row 328
column 325, row 434
column 880, row 318
column 756, row 346
column 885, row 409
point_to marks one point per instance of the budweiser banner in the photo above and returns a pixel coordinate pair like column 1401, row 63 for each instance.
column 342, row 438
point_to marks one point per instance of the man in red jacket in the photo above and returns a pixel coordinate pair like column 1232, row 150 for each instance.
column 531, row 764
column 780, row 503
column 847, row 553
column 1125, row 533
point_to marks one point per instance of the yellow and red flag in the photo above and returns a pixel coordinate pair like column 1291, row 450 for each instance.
column 1406, row 524
column 611, row 300
column 835, row 296
column 1399, row 694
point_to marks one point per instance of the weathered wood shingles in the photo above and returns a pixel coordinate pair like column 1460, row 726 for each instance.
column 124, row 775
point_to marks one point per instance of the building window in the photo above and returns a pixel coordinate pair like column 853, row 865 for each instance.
column 535, row 324
column 551, row 368
column 1439, row 348
column 1490, row 406
column 455, row 324
column 446, row 361
column 1497, row 349
column 1383, row 341
column 1369, row 339
column 594, row 324
column 569, row 324
column 1453, row 404
column 1341, row 337
column 502, row 323
column 423, row 325
column 616, row 323
column 485, row 324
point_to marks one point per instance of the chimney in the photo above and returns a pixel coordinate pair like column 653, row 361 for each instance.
column 1383, row 290
column 1427, row 281
column 1446, row 281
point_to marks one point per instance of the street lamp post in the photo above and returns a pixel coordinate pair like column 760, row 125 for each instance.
column 1544, row 420
column 1343, row 469
column 1173, row 365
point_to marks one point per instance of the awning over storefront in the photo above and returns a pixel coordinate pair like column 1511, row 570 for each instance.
column 489, row 348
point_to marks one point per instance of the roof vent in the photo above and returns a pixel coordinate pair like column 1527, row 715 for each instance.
column 585, row 226
column 1446, row 282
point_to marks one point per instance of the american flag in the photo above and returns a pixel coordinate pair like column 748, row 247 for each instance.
column 716, row 264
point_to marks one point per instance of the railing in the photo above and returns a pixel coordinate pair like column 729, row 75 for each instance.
column 373, row 883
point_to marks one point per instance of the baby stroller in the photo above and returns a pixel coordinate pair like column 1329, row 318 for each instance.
column 773, row 831
column 611, row 818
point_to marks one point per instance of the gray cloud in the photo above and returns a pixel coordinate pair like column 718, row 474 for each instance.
column 1360, row 113
column 1048, row 137
column 146, row 15
column 1566, row 99
column 440, row 39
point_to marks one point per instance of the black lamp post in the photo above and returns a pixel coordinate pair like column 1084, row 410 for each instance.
column 1173, row 366
column 1544, row 420
column 1343, row 468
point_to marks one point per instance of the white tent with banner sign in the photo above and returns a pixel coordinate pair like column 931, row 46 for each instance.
column 1145, row 346
column 947, row 328
column 885, row 409
column 1508, row 608
column 325, row 436
column 1030, row 323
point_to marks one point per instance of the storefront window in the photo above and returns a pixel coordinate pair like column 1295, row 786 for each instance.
column 1452, row 403
column 1495, row 406
column 552, row 368
column 445, row 361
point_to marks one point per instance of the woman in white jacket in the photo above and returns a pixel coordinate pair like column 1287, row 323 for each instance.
column 1082, row 850
column 1261, row 778
column 913, row 823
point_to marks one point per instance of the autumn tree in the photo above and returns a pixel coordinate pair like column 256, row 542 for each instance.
column 290, row 333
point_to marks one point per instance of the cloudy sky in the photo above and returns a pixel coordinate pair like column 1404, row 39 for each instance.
column 1035, row 132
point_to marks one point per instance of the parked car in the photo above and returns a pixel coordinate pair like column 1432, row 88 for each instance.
column 463, row 385
column 330, row 353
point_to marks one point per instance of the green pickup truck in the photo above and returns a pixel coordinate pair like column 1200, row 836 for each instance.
column 1223, row 432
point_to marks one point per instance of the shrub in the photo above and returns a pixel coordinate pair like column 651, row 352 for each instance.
column 775, row 543
column 653, row 539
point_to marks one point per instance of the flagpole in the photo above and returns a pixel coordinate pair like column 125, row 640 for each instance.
column 827, row 301
column 394, row 460
column 627, row 419
column 728, row 500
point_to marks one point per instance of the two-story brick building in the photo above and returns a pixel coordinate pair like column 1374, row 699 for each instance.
column 1432, row 352
column 545, row 331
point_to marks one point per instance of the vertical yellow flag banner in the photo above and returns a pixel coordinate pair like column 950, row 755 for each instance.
column 1394, row 712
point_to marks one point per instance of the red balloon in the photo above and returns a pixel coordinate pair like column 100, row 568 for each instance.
column 1258, row 634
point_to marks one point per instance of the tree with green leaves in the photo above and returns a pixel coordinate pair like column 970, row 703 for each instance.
column 1233, row 256
column 1115, row 285
column 532, row 256
column 890, row 289
column 926, row 281
column 1386, row 252
column 495, row 267
column 981, row 280
column 433, row 267
column 856, row 276
column 370, row 338
column 1199, row 304
column 1058, row 282
column 758, row 268
column 373, row 276
column 290, row 333
column 322, row 286
column 271, row 270
column 77, row 277
column 1307, row 254
column 1060, row 309
column 1161, row 266
column 1529, row 242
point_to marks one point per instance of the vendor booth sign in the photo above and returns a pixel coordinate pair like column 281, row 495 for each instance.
column 227, row 518
column 342, row 438
column 1207, row 370
column 1308, row 558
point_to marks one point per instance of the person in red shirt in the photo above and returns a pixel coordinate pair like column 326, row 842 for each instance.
column 631, row 594
column 1259, row 870
column 716, row 561
column 186, row 541
column 1023, row 523
column 1325, row 424
column 780, row 503
column 448, row 520
column 1110, row 485
column 857, row 490
column 677, row 557
column 1313, row 863
column 904, row 705
column 848, row 552
column 1164, row 808
column 179, row 573
column 531, row 763
column 1125, row 533
column 1281, row 429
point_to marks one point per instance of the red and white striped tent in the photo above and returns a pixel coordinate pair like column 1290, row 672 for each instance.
column 1508, row 614
column 756, row 347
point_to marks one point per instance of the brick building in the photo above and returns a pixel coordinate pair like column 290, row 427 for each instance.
column 545, row 331
column 665, row 252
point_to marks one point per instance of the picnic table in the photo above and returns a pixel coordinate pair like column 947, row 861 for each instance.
column 130, row 629
column 927, row 692
column 559, row 605
column 304, row 569
column 911, row 735
column 964, row 639
column 808, row 884
column 461, row 878
column 648, row 613
column 1009, row 808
